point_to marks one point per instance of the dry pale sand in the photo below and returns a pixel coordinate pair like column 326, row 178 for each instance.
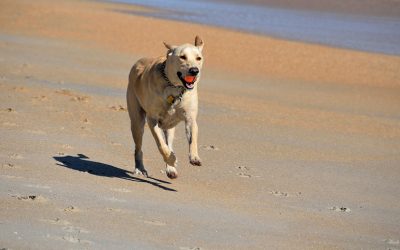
column 300, row 144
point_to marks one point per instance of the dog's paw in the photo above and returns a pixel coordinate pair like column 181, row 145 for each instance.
column 195, row 160
column 140, row 172
column 172, row 173
column 171, row 159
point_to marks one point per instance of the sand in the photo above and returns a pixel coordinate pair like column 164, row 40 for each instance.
column 300, row 143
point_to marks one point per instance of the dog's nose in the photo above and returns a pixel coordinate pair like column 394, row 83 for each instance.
column 194, row 71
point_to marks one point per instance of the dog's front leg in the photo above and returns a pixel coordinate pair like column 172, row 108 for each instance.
column 191, row 134
column 166, row 152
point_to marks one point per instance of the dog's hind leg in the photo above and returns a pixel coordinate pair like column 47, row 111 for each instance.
column 138, row 118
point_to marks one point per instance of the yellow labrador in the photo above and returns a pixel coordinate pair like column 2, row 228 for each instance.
column 164, row 91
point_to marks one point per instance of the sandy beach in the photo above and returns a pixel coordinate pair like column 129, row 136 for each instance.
column 300, row 143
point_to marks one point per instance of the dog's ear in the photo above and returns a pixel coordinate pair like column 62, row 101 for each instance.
column 170, row 48
column 198, row 42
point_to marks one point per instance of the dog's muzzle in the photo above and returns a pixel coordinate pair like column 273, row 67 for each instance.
column 190, row 79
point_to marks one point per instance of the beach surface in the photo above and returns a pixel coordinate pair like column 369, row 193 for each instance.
column 300, row 143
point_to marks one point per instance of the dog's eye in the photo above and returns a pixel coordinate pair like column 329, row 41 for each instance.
column 183, row 57
column 198, row 58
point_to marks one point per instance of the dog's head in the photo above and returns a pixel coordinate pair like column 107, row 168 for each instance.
column 184, row 63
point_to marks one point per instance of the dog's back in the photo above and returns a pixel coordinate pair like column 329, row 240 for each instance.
column 137, row 73
column 145, row 83
column 138, row 68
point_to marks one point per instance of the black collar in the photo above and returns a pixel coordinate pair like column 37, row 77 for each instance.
column 162, row 71
column 171, row 99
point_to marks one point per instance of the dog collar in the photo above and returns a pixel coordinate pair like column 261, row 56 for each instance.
column 162, row 71
column 171, row 100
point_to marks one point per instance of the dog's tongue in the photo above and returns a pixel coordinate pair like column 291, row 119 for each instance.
column 190, row 79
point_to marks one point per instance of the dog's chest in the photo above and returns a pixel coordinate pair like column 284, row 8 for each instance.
column 173, row 111
column 171, row 117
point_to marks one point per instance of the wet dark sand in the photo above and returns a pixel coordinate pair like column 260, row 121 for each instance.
column 386, row 8
column 350, row 27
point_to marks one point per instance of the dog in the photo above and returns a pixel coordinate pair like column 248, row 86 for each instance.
column 163, row 91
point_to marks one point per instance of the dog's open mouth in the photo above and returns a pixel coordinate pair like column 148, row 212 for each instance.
column 188, row 81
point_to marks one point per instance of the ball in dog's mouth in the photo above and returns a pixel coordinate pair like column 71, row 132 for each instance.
column 188, row 81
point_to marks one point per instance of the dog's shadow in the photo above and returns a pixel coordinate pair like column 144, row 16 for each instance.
column 83, row 164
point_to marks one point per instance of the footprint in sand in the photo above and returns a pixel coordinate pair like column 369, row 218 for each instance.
column 243, row 175
column 41, row 98
column 80, row 98
column 76, row 240
column 71, row 238
column 209, row 147
column 36, row 198
column 243, row 168
column 116, row 210
column 10, row 166
column 8, row 110
column 71, row 209
column 67, row 146
column 284, row 194
column 86, row 121
column 244, row 172
column 340, row 209
column 72, row 233
column 118, row 108
column 74, row 229
column 15, row 156
column 74, row 97
column 279, row 194
column 64, row 92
